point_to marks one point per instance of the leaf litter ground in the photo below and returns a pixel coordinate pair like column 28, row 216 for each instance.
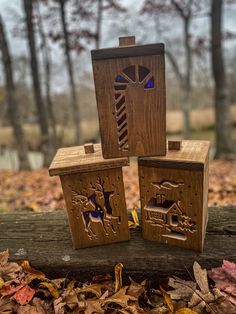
column 36, row 191
column 26, row 290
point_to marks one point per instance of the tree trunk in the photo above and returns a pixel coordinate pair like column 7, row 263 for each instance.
column 222, row 103
column 187, row 86
column 99, row 23
column 47, row 148
column 13, row 109
column 47, row 68
column 74, row 105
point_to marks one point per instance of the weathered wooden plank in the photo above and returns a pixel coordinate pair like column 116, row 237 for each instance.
column 44, row 239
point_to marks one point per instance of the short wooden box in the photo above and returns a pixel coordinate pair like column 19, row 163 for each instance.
column 174, row 193
column 94, row 193
column 131, row 99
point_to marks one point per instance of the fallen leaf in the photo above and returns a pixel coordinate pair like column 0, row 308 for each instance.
column 8, row 290
column 2, row 282
column 168, row 300
column 182, row 289
column 135, row 289
column 24, row 295
column 120, row 299
column 118, row 276
column 185, row 310
column 93, row 306
column 51, row 289
column 94, row 289
column 224, row 277
column 201, row 277
column 4, row 256
column 32, row 273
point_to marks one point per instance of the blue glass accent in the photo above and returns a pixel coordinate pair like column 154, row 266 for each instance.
column 86, row 215
column 150, row 83
column 118, row 78
column 96, row 214
column 93, row 197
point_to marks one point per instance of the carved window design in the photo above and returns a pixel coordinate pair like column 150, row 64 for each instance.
column 133, row 74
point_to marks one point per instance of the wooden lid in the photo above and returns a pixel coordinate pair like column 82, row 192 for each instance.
column 128, row 49
column 83, row 159
column 191, row 155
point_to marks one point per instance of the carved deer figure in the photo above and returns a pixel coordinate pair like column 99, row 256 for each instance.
column 95, row 207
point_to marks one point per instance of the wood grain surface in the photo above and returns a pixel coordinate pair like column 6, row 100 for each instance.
column 44, row 239
column 74, row 159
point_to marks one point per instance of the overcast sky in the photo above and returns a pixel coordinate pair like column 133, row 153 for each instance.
column 11, row 10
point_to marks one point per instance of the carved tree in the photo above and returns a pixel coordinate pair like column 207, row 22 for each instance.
column 224, row 145
column 13, row 109
column 47, row 148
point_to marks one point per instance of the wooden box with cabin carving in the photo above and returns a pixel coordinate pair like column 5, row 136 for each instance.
column 131, row 98
column 94, row 193
column 174, row 193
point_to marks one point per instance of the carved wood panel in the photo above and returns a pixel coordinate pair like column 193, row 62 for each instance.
column 173, row 206
column 96, row 207
column 131, row 103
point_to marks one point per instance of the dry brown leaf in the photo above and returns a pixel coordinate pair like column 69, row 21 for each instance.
column 185, row 310
column 8, row 290
column 93, row 306
column 2, row 282
column 183, row 289
column 168, row 300
column 7, row 305
column 201, row 278
column 222, row 305
column 32, row 273
column 118, row 276
column 59, row 306
column 51, row 289
column 94, row 289
column 135, row 289
column 120, row 298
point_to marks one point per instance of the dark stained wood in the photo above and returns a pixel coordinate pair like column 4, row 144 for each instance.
column 131, row 106
column 44, row 239
column 74, row 159
column 89, row 148
column 128, row 51
column 174, row 199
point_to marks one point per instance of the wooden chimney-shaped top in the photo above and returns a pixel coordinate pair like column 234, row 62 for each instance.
column 83, row 159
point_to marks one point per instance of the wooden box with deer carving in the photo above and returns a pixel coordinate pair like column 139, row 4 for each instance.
column 131, row 98
column 174, row 192
column 94, row 194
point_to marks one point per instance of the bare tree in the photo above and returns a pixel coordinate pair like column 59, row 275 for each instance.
column 224, row 145
column 74, row 103
column 13, row 109
column 46, row 56
column 105, row 5
column 47, row 147
column 185, row 10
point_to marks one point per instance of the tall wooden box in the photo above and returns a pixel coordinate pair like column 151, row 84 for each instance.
column 131, row 99
column 94, row 194
column 174, row 193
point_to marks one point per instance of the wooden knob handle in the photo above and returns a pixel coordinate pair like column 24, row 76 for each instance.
column 127, row 41
column 174, row 145
column 89, row 148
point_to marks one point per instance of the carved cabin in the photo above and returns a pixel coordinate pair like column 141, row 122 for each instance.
column 94, row 194
column 131, row 98
column 174, row 194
